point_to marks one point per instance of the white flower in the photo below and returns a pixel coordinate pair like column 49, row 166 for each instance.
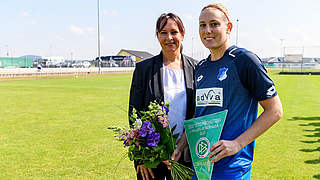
column 137, row 124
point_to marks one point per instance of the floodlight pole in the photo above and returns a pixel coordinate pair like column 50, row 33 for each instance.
column 7, row 50
column 237, row 32
column 99, row 60
column 282, row 51
column 281, row 48
column 192, row 48
column 302, row 58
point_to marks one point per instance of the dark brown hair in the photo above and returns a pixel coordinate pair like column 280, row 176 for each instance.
column 163, row 19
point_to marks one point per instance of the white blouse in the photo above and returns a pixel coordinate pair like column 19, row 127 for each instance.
column 175, row 94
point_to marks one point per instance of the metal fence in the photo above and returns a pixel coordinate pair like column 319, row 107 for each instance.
column 15, row 62
column 23, row 72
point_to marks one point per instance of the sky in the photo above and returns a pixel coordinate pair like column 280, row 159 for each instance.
column 68, row 28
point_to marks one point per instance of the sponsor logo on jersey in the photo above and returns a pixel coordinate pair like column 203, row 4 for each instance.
column 271, row 91
column 199, row 78
column 209, row 97
column 202, row 147
column 222, row 74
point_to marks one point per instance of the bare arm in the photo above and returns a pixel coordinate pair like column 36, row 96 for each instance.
column 181, row 145
column 271, row 114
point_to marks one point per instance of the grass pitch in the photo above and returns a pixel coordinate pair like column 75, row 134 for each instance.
column 56, row 129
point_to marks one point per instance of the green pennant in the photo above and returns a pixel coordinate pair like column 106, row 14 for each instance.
column 201, row 133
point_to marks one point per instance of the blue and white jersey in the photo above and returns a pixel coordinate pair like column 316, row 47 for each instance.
column 235, row 82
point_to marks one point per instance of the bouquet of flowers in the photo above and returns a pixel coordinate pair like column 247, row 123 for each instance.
column 151, row 140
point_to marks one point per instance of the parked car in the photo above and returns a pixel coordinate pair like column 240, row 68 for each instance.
column 81, row 64
column 86, row 64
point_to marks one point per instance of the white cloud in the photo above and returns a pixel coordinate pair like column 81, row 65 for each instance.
column 59, row 38
column 115, row 28
column 79, row 30
column 26, row 14
column 114, row 12
column 20, row 36
column 110, row 12
column 76, row 30
column 29, row 18
column 34, row 22
column 89, row 29
column 189, row 17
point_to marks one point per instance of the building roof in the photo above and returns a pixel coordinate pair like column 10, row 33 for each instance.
column 140, row 54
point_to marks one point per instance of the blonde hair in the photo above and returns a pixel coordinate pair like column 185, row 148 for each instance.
column 219, row 7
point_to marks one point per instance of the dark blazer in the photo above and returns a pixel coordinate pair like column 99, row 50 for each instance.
column 147, row 84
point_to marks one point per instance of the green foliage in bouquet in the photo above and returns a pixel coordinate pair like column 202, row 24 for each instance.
column 151, row 140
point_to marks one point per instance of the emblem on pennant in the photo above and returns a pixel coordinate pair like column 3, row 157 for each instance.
column 201, row 133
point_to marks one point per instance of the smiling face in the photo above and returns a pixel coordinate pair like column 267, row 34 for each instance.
column 170, row 37
column 214, row 29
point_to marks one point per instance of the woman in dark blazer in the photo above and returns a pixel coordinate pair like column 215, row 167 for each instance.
column 165, row 77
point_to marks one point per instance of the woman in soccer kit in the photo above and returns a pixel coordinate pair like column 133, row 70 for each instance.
column 232, row 79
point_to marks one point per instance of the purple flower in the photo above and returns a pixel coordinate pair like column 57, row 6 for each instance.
column 126, row 142
column 163, row 119
column 133, row 133
column 122, row 137
column 165, row 109
column 153, row 139
column 145, row 129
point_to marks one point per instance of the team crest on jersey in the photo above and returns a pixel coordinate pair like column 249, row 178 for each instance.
column 209, row 97
column 222, row 74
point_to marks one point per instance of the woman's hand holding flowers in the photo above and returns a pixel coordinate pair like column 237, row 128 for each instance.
column 144, row 172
